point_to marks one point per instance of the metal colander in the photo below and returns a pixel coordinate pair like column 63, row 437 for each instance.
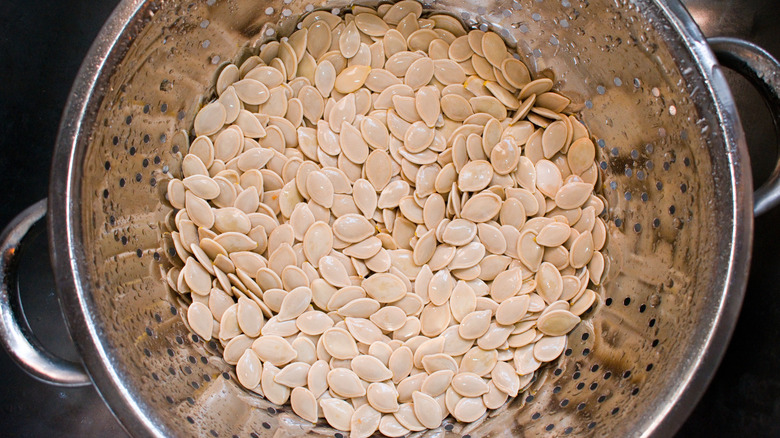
column 674, row 172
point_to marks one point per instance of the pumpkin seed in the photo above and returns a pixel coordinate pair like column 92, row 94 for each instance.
column 365, row 420
column 339, row 343
column 304, row 404
column 427, row 410
column 469, row 409
column 469, row 384
column 415, row 201
column 549, row 348
column 437, row 382
column 338, row 413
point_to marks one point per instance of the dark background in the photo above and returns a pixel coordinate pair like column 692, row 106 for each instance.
column 42, row 44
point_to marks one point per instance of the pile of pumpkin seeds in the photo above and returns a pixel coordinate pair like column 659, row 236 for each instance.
column 385, row 221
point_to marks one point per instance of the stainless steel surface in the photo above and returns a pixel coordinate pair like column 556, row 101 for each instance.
column 15, row 334
column 666, row 245
column 763, row 71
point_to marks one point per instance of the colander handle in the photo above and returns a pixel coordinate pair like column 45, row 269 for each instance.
column 763, row 71
column 16, row 336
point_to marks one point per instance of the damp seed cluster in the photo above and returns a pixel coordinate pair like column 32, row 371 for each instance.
column 384, row 221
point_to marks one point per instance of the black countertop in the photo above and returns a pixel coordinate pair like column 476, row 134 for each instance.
column 42, row 44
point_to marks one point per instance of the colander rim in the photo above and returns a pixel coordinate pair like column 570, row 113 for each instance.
column 65, row 213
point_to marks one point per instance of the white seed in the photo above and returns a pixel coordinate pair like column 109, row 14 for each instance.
column 580, row 155
column 479, row 361
column 549, row 282
column 557, row 322
column 313, row 322
column 249, row 317
column 352, row 143
column 325, row 77
column 495, row 336
column 370, row 369
column 506, row 285
column 494, row 398
column 438, row 233
column 304, row 404
column 351, row 78
column 434, row 319
column 345, row 382
column 512, row 310
column 549, row 348
column 390, row 427
column 553, row 234
column 385, row 288
column 459, row 232
column 469, row 384
column 440, row 287
column 274, row 392
column 352, row 228
column 475, row 324
column 333, row 271
column 359, row 308
column 365, row 420
column 196, row 277
column 363, row 330
column 475, row 176
column 427, row 410
column 249, row 369
column 293, row 375
column 200, row 320
column 210, row 119
column 294, row 303
column 401, row 363
column 524, row 360
column 383, row 397
column 338, row 413
column 469, row 409
column 273, row 349
column 316, row 380
column 505, row 378
column 317, row 242
column 573, row 194
column 481, row 207
column 339, row 343
column 305, row 349
column 389, row 318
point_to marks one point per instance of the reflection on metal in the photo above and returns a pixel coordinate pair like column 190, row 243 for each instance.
column 677, row 186
column 763, row 72
column 14, row 334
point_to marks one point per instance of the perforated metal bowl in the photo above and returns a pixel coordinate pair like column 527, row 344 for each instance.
column 674, row 169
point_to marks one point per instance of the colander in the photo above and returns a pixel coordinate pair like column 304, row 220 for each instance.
column 675, row 173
